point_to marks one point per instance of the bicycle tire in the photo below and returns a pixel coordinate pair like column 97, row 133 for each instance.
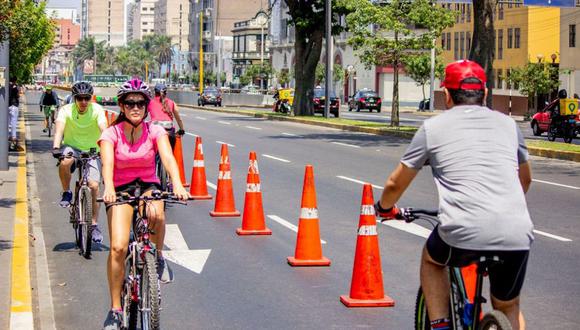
column 86, row 214
column 149, row 294
column 49, row 128
column 422, row 321
column 130, row 306
column 495, row 320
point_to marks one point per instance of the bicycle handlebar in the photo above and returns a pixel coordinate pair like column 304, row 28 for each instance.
column 157, row 195
column 409, row 214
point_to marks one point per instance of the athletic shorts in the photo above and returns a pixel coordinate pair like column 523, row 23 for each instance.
column 94, row 164
column 130, row 188
column 506, row 278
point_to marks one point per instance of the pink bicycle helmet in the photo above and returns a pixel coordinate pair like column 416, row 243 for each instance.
column 133, row 86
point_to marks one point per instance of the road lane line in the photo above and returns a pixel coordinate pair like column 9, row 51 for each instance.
column 287, row 224
column 408, row 227
column 191, row 134
column 224, row 122
column 346, row 145
column 183, row 115
column 556, row 237
column 357, row 181
column 211, row 185
column 20, row 288
column 276, row 158
column 289, row 134
column 201, row 118
column 229, row 145
column 252, row 127
column 556, row 184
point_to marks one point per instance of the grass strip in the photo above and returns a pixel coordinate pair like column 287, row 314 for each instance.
column 557, row 146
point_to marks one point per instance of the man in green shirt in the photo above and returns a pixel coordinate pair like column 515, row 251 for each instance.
column 78, row 127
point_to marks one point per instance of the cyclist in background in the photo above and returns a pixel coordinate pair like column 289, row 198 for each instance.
column 480, row 165
column 78, row 127
column 163, row 111
column 13, row 104
column 47, row 99
column 128, row 149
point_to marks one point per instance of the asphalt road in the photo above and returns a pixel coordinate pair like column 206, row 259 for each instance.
column 246, row 282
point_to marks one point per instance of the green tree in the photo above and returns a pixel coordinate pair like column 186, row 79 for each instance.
column 308, row 17
column 284, row 76
column 30, row 32
column 163, row 52
column 399, row 27
column 254, row 72
column 337, row 73
column 532, row 80
column 418, row 67
column 89, row 48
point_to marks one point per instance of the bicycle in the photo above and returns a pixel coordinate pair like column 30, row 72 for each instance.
column 49, row 117
column 81, row 210
column 163, row 175
column 465, row 314
column 141, row 295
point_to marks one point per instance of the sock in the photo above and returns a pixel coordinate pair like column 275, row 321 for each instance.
column 441, row 324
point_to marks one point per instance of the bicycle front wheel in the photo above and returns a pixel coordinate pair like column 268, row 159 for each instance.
column 422, row 321
column 150, row 294
column 495, row 320
column 85, row 219
column 128, row 298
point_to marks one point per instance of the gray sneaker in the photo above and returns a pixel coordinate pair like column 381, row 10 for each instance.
column 66, row 198
column 113, row 321
column 96, row 233
column 164, row 273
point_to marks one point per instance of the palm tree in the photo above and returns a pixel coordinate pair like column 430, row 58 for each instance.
column 163, row 50
column 88, row 48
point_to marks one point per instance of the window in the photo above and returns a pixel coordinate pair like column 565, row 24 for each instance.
column 456, row 45
column 145, row 23
column 510, row 38
column 468, row 12
column 572, row 35
column 443, row 41
column 468, row 43
column 500, row 11
column 462, row 47
column 457, row 16
column 462, row 12
column 144, row 8
column 500, row 44
column 448, row 40
column 499, row 78
column 517, row 38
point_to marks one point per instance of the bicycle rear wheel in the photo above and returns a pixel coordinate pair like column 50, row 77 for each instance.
column 422, row 321
column 49, row 126
column 85, row 203
column 150, row 294
column 495, row 320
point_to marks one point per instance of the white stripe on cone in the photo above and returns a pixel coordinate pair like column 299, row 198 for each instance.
column 254, row 166
column 367, row 210
column 253, row 187
column 224, row 160
column 200, row 148
column 306, row 213
column 198, row 163
column 367, row 230
column 227, row 175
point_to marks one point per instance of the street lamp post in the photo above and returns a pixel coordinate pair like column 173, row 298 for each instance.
column 201, row 49
column 328, row 80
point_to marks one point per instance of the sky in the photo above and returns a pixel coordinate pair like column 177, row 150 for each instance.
column 65, row 4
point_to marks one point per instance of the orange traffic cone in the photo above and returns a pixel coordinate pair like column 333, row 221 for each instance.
column 178, row 154
column 253, row 222
column 366, row 289
column 308, row 247
column 113, row 117
column 224, row 200
column 198, row 186
column 108, row 118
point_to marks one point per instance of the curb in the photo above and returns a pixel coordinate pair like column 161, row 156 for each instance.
column 534, row 151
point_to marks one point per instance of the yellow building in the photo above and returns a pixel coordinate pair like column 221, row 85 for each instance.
column 522, row 34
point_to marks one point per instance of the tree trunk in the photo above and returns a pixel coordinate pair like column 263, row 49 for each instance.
column 483, row 45
column 395, row 104
column 307, row 48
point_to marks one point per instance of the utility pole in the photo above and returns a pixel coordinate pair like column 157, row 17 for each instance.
column 4, row 80
column 328, row 79
column 432, row 82
column 201, row 49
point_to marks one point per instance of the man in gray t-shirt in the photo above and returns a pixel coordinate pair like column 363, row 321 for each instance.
column 480, row 165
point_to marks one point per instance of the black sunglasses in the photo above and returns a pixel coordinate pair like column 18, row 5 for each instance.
column 129, row 104
column 83, row 98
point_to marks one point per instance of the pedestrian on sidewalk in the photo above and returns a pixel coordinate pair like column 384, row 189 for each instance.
column 13, row 104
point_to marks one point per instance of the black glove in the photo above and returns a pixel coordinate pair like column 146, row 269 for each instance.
column 180, row 132
column 56, row 153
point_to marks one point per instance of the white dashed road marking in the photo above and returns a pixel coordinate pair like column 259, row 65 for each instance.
column 556, row 184
column 252, row 127
column 289, row 134
column 191, row 134
column 201, row 118
column 211, row 185
column 224, row 122
column 276, row 158
column 556, row 237
column 357, row 181
column 229, row 145
column 346, row 145
column 287, row 224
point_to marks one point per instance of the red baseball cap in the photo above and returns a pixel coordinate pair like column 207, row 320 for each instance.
column 457, row 72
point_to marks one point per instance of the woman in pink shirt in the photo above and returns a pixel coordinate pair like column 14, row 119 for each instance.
column 128, row 149
column 163, row 111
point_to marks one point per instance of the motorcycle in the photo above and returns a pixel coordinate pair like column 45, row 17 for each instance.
column 564, row 127
column 284, row 100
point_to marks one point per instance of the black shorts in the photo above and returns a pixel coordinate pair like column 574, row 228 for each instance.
column 505, row 279
column 132, row 186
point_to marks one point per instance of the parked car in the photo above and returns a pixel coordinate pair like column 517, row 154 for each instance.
column 365, row 99
column 210, row 95
column 250, row 89
column 318, row 100
column 542, row 119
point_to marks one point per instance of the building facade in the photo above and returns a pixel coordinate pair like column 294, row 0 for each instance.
column 215, row 34
column 105, row 20
column 143, row 20
column 171, row 19
column 570, row 49
column 251, row 43
column 56, row 65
